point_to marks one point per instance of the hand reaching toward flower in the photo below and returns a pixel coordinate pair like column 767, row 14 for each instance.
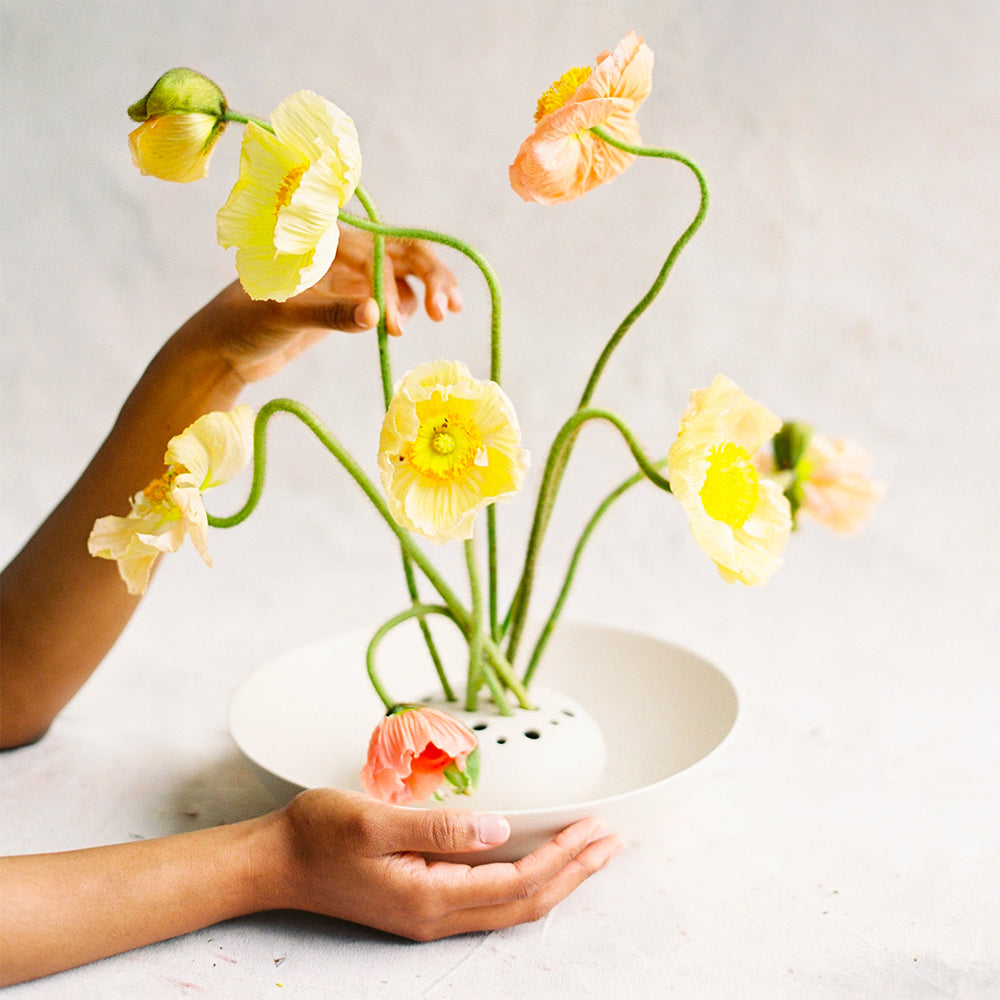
column 62, row 610
column 258, row 338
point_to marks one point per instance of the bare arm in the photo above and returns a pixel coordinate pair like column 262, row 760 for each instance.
column 330, row 852
column 60, row 609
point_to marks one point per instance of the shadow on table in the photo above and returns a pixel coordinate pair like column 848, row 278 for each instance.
column 226, row 790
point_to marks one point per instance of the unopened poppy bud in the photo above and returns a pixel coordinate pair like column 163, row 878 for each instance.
column 180, row 91
column 790, row 444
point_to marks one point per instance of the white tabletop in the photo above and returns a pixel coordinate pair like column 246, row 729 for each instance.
column 846, row 841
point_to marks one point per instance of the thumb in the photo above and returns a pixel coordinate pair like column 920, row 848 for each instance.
column 451, row 831
column 350, row 315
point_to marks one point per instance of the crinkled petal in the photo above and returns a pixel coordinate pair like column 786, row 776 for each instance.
column 215, row 447
column 175, row 147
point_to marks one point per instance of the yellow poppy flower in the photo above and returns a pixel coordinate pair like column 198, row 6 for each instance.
column 208, row 453
column 450, row 444
column 282, row 214
column 739, row 518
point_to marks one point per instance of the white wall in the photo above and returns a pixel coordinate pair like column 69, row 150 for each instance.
column 847, row 275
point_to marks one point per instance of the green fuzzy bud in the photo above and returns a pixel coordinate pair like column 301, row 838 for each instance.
column 180, row 91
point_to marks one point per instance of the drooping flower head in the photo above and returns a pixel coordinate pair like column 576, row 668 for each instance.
column 282, row 214
column 207, row 454
column 450, row 444
column 561, row 159
column 414, row 750
column 739, row 518
column 827, row 477
column 182, row 117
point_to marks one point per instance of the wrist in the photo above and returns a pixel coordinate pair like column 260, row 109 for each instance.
column 270, row 869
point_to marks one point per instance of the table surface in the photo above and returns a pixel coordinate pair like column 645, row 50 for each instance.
column 846, row 841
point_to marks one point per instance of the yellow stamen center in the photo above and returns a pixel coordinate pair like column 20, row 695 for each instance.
column 561, row 91
column 448, row 441
column 159, row 489
column 288, row 187
column 732, row 487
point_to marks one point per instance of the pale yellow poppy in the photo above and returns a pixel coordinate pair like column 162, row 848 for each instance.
column 282, row 214
column 450, row 444
column 207, row 454
column 742, row 520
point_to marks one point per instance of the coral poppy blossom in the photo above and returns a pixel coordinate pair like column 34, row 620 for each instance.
column 562, row 159
column 450, row 444
column 282, row 213
column 742, row 520
column 412, row 752
column 207, row 454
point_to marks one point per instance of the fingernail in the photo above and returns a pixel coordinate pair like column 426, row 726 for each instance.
column 492, row 829
column 366, row 313
column 441, row 303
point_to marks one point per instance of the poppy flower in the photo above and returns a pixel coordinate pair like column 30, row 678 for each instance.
column 450, row 444
column 413, row 751
column 562, row 159
column 741, row 519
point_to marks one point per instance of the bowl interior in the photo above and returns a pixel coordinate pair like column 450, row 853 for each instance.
column 305, row 718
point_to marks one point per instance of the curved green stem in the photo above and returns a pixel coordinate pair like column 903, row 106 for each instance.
column 550, row 623
column 355, row 471
column 546, row 498
column 416, row 611
column 668, row 264
column 385, row 370
column 372, row 225
column 518, row 606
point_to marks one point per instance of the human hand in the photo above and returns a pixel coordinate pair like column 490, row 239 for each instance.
column 258, row 338
column 358, row 859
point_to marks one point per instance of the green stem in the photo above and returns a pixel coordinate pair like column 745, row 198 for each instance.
column 475, row 674
column 355, row 471
column 550, row 622
column 668, row 264
column 229, row 115
column 385, row 370
column 546, row 498
column 372, row 225
column 518, row 607
column 416, row 611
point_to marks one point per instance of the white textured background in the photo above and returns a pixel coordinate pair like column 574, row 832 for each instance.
column 846, row 842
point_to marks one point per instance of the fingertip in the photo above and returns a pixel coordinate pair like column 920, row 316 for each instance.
column 366, row 314
column 491, row 829
column 455, row 300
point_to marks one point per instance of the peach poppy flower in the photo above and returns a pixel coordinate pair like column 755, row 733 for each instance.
column 835, row 489
column 207, row 454
column 562, row 159
column 741, row 519
column 413, row 751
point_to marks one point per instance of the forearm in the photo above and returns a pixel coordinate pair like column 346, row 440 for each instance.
column 61, row 610
column 64, row 910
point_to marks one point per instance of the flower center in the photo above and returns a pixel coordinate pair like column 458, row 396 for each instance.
column 732, row 487
column 442, row 442
column 448, row 441
column 158, row 490
column 288, row 187
column 561, row 91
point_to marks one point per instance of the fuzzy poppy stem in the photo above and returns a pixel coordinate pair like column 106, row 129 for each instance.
column 355, row 471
